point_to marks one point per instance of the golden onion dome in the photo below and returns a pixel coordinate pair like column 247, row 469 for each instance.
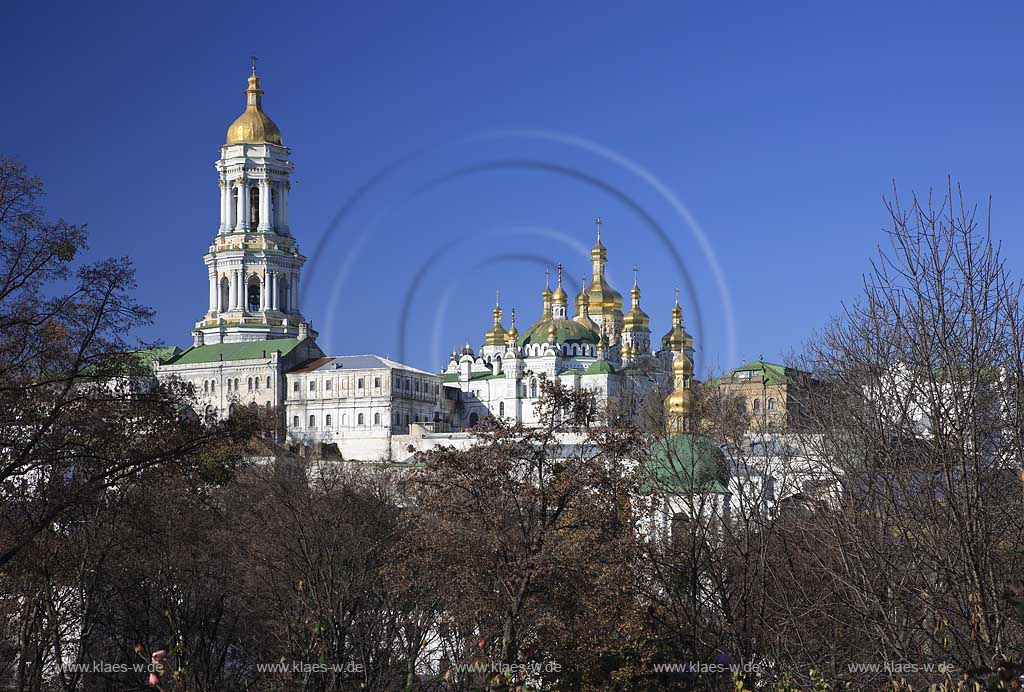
column 513, row 333
column 253, row 126
column 496, row 335
column 677, row 338
column 636, row 319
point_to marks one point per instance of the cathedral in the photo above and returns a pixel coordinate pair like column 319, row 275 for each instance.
column 253, row 345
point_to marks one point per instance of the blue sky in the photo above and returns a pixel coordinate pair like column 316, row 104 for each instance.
column 486, row 137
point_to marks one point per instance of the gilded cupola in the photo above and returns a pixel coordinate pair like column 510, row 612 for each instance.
column 604, row 300
column 496, row 335
column 513, row 333
column 583, row 308
column 677, row 339
column 253, row 126
column 636, row 320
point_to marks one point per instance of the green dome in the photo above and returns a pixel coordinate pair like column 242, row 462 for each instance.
column 687, row 464
column 567, row 331
column 599, row 367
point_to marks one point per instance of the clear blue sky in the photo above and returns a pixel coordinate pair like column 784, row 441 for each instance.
column 777, row 126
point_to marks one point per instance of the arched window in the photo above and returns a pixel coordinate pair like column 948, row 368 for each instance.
column 236, row 384
column 232, row 409
column 257, row 383
column 361, row 420
column 282, row 294
column 327, row 421
column 771, row 404
column 206, row 386
column 213, row 386
column 229, row 385
column 501, row 409
column 225, row 294
column 312, row 421
column 757, row 405
column 252, row 294
column 250, row 384
column 533, row 388
column 376, row 419
column 268, row 381
column 254, row 206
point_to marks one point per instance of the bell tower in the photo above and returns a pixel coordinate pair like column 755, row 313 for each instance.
column 253, row 264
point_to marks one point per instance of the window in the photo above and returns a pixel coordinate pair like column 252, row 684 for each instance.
column 236, row 384
column 376, row 419
column 744, row 374
column 268, row 382
column 474, row 418
column 312, row 385
column 295, row 386
column 757, row 405
column 229, row 385
column 257, row 382
column 771, row 404
column 361, row 419
column 397, row 420
column 250, row 384
column 533, row 388
column 360, row 383
column 327, row 385
column 327, row 421
column 376, row 382
column 206, row 386
column 312, row 421
column 295, row 422
column 213, row 386
column 501, row 409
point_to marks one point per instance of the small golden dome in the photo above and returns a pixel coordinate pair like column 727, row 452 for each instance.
column 253, row 126
column 497, row 335
column 679, row 404
column 636, row 320
column 559, row 297
column 513, row 333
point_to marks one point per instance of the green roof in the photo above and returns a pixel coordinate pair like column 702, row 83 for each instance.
column 148, row 356
column 454, row 376
column 599, row 367
column 566, row 332
column 687, row 464
column 773, row 373
column 239, row 350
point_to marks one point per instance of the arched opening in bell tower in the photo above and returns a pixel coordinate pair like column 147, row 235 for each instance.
column 254, row 207
column 225, row 294
column 252, row 294
column 282, row 298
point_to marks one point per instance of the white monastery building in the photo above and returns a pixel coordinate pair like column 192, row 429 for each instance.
column 253, row 345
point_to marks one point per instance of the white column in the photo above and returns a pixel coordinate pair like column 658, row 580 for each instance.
column 225, row 211
column 232, row 288
column 273, row 290
column 213, row 291
column 264, row 205
column 264, row 292
column 246, row 221
column 240, row 206
column 284, row 206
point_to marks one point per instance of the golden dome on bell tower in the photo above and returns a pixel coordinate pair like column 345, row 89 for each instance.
column 253, row 126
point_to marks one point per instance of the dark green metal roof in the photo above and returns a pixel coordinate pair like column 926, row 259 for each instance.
column 240, row 350
column 566, row 331
column 600, row 367
column 687, row 464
